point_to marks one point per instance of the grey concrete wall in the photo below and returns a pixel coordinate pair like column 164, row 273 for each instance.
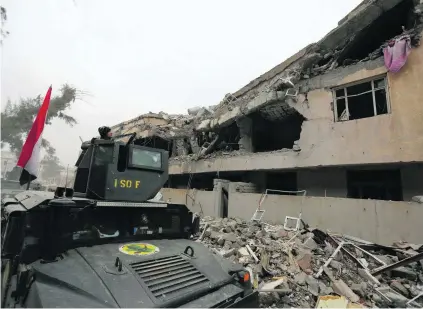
column 382, row 222
column 412, row 181
column 331, row 182
column 243, row 187
column 197, row 201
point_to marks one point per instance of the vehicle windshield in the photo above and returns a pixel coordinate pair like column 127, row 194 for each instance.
column 106, row 224
column 141, row 157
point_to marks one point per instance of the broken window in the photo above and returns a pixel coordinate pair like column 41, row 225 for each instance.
column 375, row 184
column 284, row 181
column 362, row 100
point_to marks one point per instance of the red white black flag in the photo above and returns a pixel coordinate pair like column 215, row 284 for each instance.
column 29, row 158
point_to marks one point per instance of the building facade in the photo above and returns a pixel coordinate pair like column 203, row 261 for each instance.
column 340, row 120
column 8, row 162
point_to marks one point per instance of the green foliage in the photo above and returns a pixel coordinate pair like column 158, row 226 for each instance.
column 17, row 119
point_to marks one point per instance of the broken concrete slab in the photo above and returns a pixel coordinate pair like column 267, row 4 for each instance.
column 230, row 237
column 397, row 299
column 228, row 253
column 336, row 265
column 366, row 275
column 280, row 257
column 273, row 284
column 243, row 252
column 358, row 289
column 341, row 288
column 398, row 287
column 404, row 272
column 310, row 244
column 300, row 278
column 313, row 285
column 304, row 262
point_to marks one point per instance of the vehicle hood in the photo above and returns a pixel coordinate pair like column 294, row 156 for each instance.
column 91, row 277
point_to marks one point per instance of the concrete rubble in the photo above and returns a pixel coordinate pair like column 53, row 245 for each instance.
column 295, row 268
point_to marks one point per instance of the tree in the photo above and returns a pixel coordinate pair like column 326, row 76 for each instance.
column 3, row 18
column 51, row 167
column 17, row 119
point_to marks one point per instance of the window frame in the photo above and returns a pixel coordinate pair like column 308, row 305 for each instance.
column 372, row 91
column 131, row 164
column 110, row 159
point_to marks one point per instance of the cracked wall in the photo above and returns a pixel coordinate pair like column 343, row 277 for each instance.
column 353, row 217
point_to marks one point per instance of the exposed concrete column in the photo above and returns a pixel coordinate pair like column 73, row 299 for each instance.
column 245, row 126
column 218, row 199
column 181, row 149
column 194, row 144
column 225, row 183
column 174, row 149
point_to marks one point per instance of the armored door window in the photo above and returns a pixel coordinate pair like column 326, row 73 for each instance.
column 103, row 155
column 141, row 157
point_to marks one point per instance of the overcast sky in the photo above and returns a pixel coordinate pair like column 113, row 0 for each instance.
column 137, row 56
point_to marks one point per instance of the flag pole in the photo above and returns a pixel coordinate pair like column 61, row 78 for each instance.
column 66, row 180
column 29, row 182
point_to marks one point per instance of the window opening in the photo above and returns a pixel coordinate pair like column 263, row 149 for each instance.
column 362, row 100
column 122, row 158
column 103, row 155
column 375, row 184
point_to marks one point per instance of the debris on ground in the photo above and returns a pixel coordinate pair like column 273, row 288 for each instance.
column 310, row 267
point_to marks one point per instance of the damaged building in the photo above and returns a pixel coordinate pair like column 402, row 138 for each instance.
column 335, row 131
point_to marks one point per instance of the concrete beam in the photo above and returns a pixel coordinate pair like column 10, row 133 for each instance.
column 271, row 161
column 273, row 72
column 355, row 23
column 245, row 126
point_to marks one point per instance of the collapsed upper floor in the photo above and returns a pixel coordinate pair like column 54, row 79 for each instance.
column 347, row 99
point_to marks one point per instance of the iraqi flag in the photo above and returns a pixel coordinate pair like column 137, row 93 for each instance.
column 29, row 158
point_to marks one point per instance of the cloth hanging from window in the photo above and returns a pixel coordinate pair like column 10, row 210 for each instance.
column 396, row 53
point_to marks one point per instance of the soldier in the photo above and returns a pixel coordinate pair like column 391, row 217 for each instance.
column 105, row 133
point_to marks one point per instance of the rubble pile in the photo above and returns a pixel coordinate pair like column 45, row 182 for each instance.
column 299, row 268
column 170, row 126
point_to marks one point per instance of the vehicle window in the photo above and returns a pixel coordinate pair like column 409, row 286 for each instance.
column 142, row 157
column 103, row 155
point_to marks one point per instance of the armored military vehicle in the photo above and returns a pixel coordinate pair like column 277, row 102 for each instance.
column 108, row 243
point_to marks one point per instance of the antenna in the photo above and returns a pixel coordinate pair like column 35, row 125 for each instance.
column 66, row 179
